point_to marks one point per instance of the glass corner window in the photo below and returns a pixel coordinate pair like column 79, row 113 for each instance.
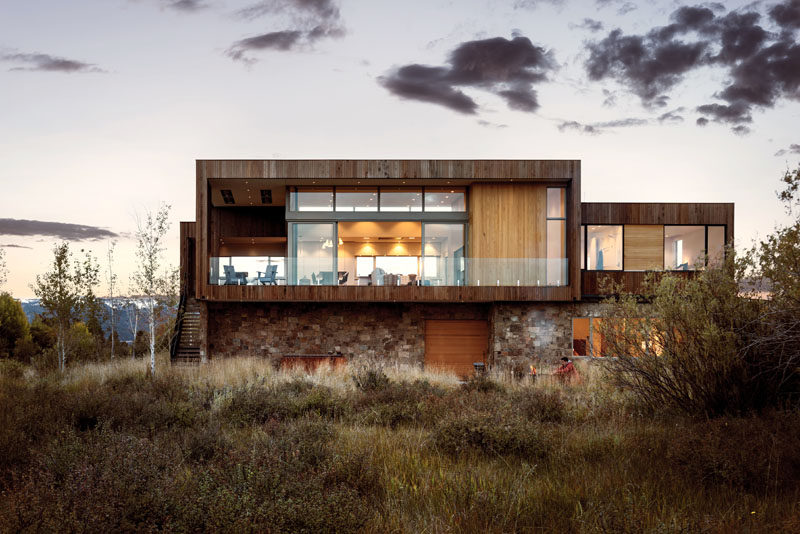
column 684, row 247
column 604, row 247
column 311, row 199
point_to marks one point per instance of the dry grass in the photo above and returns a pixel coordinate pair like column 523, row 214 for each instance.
column 238, row 445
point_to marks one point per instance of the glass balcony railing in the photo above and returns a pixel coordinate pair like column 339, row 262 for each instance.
column 388, row 271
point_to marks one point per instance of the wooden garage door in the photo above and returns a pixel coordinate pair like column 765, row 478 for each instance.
column 455, row 345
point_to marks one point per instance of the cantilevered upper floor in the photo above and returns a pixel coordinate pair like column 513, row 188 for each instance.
column 427, row 231
column 387, row 230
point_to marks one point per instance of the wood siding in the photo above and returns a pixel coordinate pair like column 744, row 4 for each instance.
column 210, row 228
column 245, row 222
column 643, row 247
column 385, row 293
column 188, row 257
column 455, row 345
column 507, row 221
column 381, row 169
column 632, row 281
column 659, row 213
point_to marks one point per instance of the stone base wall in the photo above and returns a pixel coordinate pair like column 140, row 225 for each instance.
column 519, row 333
column 392, row 330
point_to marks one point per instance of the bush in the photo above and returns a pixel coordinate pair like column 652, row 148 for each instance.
column 482, row 383
column 414, row 403
column 490, row 434
column 540, row 405
column 259, row 403
column 13, row 325
column 370, row 379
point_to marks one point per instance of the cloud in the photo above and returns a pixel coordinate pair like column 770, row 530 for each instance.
column 506, row 68
column 762, row 67
column 597, row 128
column 187, row 6
column 671, row 116
column 794, row 148
column 68, row 231
column 786, row 15
column 310, row 20
column 47, row 63
column 12, row 245
column 623, row 9
column 591, row 25
column 533, row 4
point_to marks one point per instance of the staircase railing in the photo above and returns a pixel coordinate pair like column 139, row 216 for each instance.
column 178, row 329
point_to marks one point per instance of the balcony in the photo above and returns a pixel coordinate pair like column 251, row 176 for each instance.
column 395, row 271
column 401, row 278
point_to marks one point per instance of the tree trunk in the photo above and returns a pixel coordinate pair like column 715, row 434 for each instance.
column 152, row 339
column 112, row 328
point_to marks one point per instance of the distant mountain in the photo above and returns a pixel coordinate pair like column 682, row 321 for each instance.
column 123, row 314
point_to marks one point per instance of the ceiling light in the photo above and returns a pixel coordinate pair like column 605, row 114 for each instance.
column 227, row 196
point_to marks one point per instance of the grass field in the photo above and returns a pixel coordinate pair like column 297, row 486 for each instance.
column 237, row 446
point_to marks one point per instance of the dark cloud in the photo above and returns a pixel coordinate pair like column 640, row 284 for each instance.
column 185, row 5
column 68, row 231
column 762, row 66
column 47, row 63
column 591, row 25
column 702, row 121
column 506, row 68
column 311, row 21
column 786, row 15
column 673, row 116
column 793, row 149
column 597, row 128
column 626, row 8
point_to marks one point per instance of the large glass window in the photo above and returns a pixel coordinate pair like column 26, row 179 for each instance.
column 311, row 199
column 445, row 199
column 684, row 247
column 443, row 249
column 583, row 247
column 716, row 245
column 556, row 237
column 604, row 247
column 556, row 202
column 314, row 253
column 401, row 199
column 356, row 199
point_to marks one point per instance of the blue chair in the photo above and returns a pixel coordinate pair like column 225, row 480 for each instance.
column 230, row 275
column 268, row 277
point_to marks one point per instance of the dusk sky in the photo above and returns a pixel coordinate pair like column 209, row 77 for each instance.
column 106, row 104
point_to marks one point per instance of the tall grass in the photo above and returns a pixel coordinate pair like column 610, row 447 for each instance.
column 237, row 445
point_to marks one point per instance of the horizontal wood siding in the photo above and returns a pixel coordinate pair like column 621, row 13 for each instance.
column 455, row 345
column 644, row 247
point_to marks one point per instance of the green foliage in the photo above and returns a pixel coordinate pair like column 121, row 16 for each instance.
column 712, row 344
column 66, row 293
column 13, row 325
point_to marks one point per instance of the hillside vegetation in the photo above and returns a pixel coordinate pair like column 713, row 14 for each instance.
column 237, row 446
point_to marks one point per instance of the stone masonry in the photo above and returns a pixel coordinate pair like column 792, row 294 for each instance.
column 519, row 333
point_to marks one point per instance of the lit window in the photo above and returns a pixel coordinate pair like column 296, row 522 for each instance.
column 604, row 248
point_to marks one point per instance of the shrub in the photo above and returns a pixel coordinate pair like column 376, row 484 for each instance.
column 370, row 379
column 482, row 383
column 490, row 434
column 13, row 325
column 540, row 405
column 259, row 403
column 416, row 403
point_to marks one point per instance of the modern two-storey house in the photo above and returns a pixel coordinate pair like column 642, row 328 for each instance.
column 441, row 263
